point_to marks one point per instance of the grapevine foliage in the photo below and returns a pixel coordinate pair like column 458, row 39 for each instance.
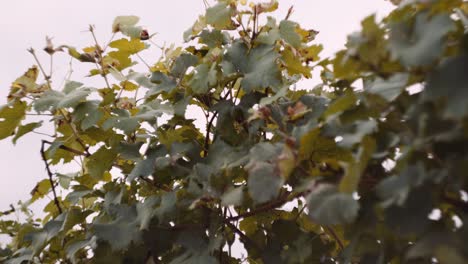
column 348, row 170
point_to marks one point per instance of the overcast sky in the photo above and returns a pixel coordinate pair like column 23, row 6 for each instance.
column 25, row 23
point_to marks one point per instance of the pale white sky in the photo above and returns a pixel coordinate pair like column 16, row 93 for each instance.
column 25, row 23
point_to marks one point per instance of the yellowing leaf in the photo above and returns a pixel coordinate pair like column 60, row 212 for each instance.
column 100, row 162
column 90, row 49
column 293, row 63
column 40, row 190
column 267, row 7
column 128, row 46
column 286, row 161
column 129, row 86
column 27, row 82
column 354, row 171
column 10, row 117
column 311, row 53
column 318, row 148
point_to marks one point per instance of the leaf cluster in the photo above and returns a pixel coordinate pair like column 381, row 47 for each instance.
column 346, row 171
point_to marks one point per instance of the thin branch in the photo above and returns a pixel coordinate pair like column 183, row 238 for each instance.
column 207, row 135
column 31, row 114
column 46, row 77
column 72, row 150
column 108, row 42
column 51, row 64
column 462, row 205
column 99, row 53
column 300, row 211
column 49, row 172
column 43, row 134
column 267, row 207
column 142, row 60
column 334, row 235
column 290, row 11
column 7, row 212
column 242, row 236
column 222, row 230
column 75, row 133
column 254, row 30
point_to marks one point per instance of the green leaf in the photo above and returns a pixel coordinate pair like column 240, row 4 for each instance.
column 411, row 217
column 288, row 32
column 167, row 206
column 388, row 89
column 146, row 166
column 422, row 43
column 359, row 129
column 163, row 83
column 271, row 36
column 24, row 129
column 450, row 83
column 73, row 217
column 259, row 66
column 74, row 246
column 52, row 99
column 353, row 172
column 88, row 113
column 130, row 151
column 341, row 104
column 10, row 117
column 233, row 197
column 327, row 206
column 118, row 234
column 40, row 238
column 203, row 78
column 219, row 16
column 264, row 182
column 396, row 188
column 100, row 161
column 213, row 38
column 146, row 211
column 269, row 100
column 182, row 63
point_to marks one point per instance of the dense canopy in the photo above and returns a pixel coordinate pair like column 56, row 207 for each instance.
column 368, row 166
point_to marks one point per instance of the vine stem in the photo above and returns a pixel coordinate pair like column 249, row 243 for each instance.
column 72, row 150
column 51, row 180
column 207, row 136
column 242, row 235
column 269, row 206
column 99, row 53
column 46, row 77
column 332, row 232
column 75, row 133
